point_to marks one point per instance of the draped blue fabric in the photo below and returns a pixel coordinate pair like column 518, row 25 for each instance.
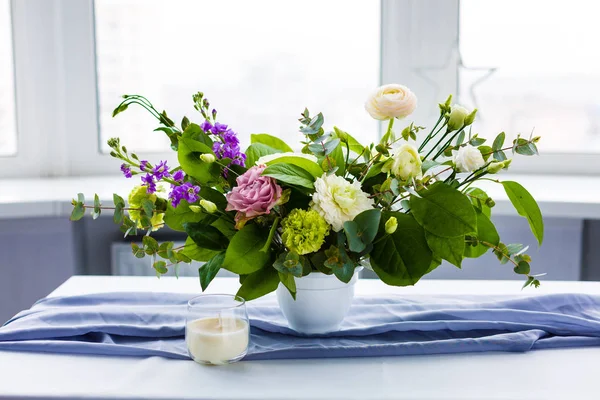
column 153, row 324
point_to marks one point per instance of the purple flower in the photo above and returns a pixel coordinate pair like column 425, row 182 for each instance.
column 161, row 171
column 186, row 191
column 178, row 176
column 148, row 180
column 144, row 165
column 126, row 170
column 206, row 126
column 218, row 128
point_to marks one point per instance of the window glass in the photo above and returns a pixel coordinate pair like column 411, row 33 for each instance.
column 8, row 126
column 533, row 65
column 258, row 62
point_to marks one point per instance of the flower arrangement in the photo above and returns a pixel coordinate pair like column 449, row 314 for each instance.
column 273, row 215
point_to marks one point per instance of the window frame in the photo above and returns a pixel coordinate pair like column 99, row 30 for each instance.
column 57, row 95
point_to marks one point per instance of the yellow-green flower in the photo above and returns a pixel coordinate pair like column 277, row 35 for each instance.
column 391, row 225
column 304, row 231
column 136, row 197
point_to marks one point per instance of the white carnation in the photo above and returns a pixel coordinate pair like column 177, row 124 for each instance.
column 270, row 157
column 338, row 200
column 468, row 159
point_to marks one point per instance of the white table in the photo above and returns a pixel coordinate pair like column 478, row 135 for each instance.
column 546, row 374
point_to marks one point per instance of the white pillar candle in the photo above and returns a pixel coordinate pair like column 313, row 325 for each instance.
column 216, row 340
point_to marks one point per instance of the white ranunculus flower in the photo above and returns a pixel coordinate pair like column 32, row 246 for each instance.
column 268, row 158
column 391, row 101
column 456, row 120
column 338, row 200
column 468, row 159
column 407, row 162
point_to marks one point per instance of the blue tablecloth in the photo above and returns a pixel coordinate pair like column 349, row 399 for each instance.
column 152, row 324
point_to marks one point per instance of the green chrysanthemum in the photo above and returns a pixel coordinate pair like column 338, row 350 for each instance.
column 136, row 197
column 304, row 231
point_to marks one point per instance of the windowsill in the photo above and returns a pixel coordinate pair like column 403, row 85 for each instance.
column 51, row 197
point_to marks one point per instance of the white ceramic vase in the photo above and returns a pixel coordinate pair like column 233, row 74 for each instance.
column 322, row 302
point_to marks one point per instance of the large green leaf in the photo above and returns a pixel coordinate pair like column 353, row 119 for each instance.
column 527, row 207
column 479, row 198
column 444, row 211
column 256, row 151
column 205, row 236
column 310, row 166
column 243, row 254
column 402, row 258
column 259, row 283
column 291, row 174
column 270, row 141
column 175, row 217
column 486, row 232
column 362, row 230
column 353, row 144
column 208, row 271
column 337, row 155
column 188, row 155
column 210, row 194
column 449, row 249
column 195, row 252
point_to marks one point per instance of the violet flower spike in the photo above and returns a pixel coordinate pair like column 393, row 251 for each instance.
column 148, row 180
column 126, row 170
column 161, row 171
column 144, row 165
column 178, row 176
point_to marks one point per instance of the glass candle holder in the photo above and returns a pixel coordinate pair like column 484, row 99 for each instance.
column 217, row 330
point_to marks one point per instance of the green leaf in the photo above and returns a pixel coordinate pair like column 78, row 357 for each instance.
column 522, row 267
column 148, row 207
column 118, row 214
column 78, row 212
column 289, row 263
column 337, row 155
column 194, row 132
column 310, row 166
column 243, row 254
column 188, row 155
column 444, row 211
column 290, row 174
column 160, row 267
column 362, row 230
column 402, row 258
column 527, row 207
column 208, row 271
column 486, row 151
column 205, row 236
column 256, row 151
column 165, row 250
column 345, row 137
column 195, row 252
column 81, row 198
column 449, row 249
column 479, row 198
column 486, row 232
column 175, row 217
column 270, row 141
column 97, row 205
column 210, row 194
column 137, row 251
column 499, row 141
column 289, row 282
column 259, row 283
column 118, row 200
column 150, row 244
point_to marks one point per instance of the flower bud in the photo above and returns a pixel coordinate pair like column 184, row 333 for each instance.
column 195, row 209
column 391, row 225
column 208, row 158
column 490, row 202
column 470, row 118
column 445, row 107
column 507, row 163
column 495, row 167
column 208, row 206
column 456, row 119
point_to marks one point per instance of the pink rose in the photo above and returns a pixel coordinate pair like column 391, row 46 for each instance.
column 254, row 194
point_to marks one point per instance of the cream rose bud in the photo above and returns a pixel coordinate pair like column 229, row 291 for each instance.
column 391, row 101
column 406, row 162
column 468, row 159
column 457, row 117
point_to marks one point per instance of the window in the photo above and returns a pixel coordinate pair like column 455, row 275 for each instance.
column 259, row 63
column 533, row 64
column 8, row 127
